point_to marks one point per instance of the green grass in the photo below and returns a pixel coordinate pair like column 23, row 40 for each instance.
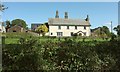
column 42, row 39
column 16, row 35
column 13, row 38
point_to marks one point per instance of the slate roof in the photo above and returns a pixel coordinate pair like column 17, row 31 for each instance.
column 35, row 25
column 62, row 21
column 16, row 26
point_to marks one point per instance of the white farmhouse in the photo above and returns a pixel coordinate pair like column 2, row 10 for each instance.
column 68, row 27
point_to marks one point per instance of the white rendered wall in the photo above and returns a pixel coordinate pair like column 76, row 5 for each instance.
column 67, row 32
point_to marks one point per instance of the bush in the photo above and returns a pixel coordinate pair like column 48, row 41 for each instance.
column 66, row 55
column 22, row 56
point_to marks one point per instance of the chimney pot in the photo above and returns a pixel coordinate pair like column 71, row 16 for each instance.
column 57, row 14
column 66, row 15
column 87, row 19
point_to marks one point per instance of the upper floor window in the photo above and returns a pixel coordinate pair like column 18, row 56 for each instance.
column 75, row 27
column 67, row 27
column 85, row 27
column 59, row 27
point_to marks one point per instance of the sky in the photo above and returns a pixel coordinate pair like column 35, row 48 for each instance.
column 100, row 13
column 60, row 0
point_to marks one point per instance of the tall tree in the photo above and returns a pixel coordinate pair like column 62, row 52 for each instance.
column 101, row 31
column 117, row 29
column 42, row 29
column 105, row 29
column 47, row 24
column 19, row 22
column 7, row 25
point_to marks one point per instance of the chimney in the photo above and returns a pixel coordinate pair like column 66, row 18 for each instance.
column 57, row 16
column 66, row 15
column 87, row 19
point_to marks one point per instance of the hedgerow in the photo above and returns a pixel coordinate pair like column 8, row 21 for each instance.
column 66, row 55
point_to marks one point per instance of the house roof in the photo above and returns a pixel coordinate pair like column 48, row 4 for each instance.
column 62, row 21
column 36, row 24
column 16, row 26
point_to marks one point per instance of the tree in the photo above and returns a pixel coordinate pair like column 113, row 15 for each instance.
column 101, row 32
column 42, row 29
column 113, row 36
column 7, row 25
column 105, row 31
column 2, row 7
column 117, row 29
column 19, row 22
column 47, row 24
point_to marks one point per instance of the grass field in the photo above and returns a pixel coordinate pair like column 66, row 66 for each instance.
column 13, row 38
column 41, row 39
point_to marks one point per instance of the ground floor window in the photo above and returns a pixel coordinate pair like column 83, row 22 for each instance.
column 59, row 33
column 14, row 30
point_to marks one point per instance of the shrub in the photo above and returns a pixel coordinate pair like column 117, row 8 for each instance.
column 66, row 55
column 22, row 56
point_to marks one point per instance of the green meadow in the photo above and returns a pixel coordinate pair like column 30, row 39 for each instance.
column 13, row 38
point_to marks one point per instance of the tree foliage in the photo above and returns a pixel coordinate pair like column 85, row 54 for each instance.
column 8, row 25
column 42, row 29
column 47, row 25
column 101, row 32
column 2, row 7
column 19, row 22
column 22, row 56
column 105, row 29
column 68, row 55
column 105, row 32
column 117, row 29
